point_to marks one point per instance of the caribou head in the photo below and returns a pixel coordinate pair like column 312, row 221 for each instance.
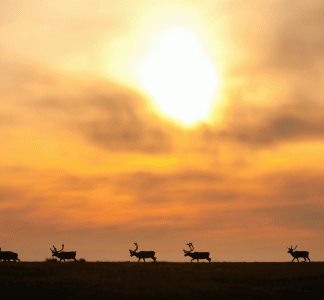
column 133, row 252
column 291, row 250
column 187, row 253
column 55, row 251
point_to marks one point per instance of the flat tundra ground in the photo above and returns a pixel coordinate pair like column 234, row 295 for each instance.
column 161, row 280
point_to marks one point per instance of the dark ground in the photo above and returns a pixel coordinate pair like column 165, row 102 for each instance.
column 161, row 280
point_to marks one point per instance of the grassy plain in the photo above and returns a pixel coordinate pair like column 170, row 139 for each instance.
column 161, row 280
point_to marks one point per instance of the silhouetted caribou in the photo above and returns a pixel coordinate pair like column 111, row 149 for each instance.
column 298, row 254
column 8, row 255
column 62, row 254
column 142, row 254
column 196, row 255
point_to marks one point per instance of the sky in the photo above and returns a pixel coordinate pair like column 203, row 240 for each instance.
column 91, row 158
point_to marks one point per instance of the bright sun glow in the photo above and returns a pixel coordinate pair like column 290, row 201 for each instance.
column 179, row 77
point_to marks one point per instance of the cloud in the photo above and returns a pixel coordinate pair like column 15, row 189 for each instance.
column 273, row 83
column 298, row 41
column 296, row 121
column 9, row 195
column 290, row 201
column 292, row 217
column 278, row 200
column 190, row 186
column 295, row 188
column 6, row 120
column 107, row 115
column 79, row 183
column 123, row 126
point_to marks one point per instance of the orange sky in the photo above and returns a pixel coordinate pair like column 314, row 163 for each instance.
column 89, row 160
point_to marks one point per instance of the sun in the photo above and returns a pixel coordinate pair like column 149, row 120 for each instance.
column 179, row 77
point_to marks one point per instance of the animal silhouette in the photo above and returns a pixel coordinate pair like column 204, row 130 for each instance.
column 8, row 255
column 142, row 254
column 196, row 255
column 62, row 254
column 298, row 254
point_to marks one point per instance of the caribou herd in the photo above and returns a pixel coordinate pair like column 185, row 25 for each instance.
column 7, row 256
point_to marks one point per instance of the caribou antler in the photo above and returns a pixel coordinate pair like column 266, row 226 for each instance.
column 191, row 246
column 135, row 248
column 55, row 250
column 291, row 248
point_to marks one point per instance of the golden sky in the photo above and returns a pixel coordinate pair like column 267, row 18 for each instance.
column 162, row 123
